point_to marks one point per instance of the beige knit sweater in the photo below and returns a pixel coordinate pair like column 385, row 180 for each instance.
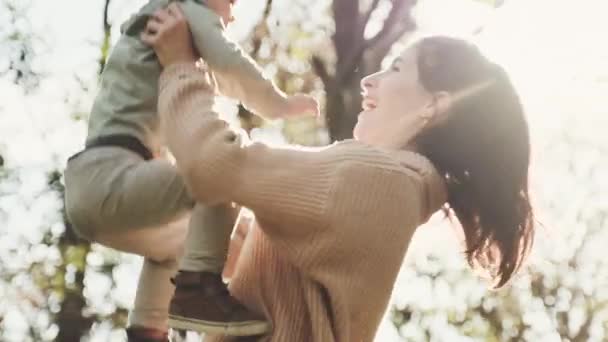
column 333, row 224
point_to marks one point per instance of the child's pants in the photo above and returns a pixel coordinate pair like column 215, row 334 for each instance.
column 116, row 198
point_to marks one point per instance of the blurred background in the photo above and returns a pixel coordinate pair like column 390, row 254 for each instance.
column 54, row 286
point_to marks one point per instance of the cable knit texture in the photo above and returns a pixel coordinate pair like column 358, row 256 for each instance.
column 332, row 224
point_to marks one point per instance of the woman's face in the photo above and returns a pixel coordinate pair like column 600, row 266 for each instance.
column 388, row 96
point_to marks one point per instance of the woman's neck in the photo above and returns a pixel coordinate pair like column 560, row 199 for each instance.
column 411, row 147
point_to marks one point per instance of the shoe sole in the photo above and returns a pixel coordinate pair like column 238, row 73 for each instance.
column 249, row 328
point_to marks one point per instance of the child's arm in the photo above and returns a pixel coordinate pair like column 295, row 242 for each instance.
column 237, row 75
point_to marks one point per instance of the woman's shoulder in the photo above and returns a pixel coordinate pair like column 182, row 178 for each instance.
column 360, row 168
column 362, row 155
column 366, row 170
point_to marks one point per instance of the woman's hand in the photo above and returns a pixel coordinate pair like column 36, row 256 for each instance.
column 168, row 33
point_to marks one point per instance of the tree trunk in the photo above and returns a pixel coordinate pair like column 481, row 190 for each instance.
column 74, row 251
column 357, row 57
column 343, row 104
column 72, row 324
column 69, row 319
column 107, row 30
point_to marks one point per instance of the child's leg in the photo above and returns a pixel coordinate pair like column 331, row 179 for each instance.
column 201, row 301
column 161, row 247
column 154, row 292
column 111, row 189
column 126, row 202
column 116, row 198
column 208, row 238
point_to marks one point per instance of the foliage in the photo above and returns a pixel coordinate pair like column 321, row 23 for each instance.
column 54, row 286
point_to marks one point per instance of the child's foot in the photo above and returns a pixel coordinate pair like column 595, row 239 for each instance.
column 142, row 334
column 202, row 303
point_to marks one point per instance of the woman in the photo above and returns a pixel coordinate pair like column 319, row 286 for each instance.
column 442, row 127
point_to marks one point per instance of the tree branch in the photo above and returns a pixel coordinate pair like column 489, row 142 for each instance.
column 392, row 30
column 257, row 39
column 583, row 333
column 107, row 31
column 383, row 45
column 321, row 70
column 400, row 13
column 345, row 13
column 367, row 16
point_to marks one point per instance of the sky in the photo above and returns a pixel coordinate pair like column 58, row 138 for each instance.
column 550, row 41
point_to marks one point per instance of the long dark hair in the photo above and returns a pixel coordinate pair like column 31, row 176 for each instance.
column 482, row 150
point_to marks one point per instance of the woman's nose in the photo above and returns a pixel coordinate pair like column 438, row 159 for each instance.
column 368, row 83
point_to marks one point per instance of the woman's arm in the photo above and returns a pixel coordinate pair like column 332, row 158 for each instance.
column 281, row 186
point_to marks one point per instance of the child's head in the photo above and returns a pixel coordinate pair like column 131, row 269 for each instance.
column 223, row 8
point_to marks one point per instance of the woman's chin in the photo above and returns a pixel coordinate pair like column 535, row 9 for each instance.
column 357, row 132
column 359, row 135
column 358, row 126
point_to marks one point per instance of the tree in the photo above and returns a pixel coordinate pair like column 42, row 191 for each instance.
column 71, row 319
column 357, row 51
column 19, row 40
column 357, row 54
column 62, row 280
column 319, row 47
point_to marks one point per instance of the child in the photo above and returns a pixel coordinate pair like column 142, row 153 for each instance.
column 119, row 195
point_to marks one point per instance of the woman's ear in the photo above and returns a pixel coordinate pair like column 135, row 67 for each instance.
column 443, row 103
column 438, row 108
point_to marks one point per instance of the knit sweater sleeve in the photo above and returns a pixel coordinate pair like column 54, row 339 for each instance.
column 286, row 188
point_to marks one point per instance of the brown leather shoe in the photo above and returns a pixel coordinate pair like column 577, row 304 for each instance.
column 143, row 334
column 202, row 303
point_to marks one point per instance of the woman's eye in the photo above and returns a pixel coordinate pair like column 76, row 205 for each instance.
column 395, row 68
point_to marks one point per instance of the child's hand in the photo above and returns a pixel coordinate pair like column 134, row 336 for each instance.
column 300, row 104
